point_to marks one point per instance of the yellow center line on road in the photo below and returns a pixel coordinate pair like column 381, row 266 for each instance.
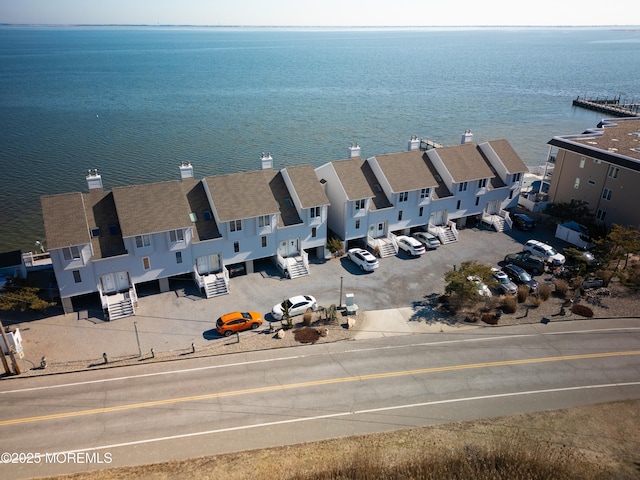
column 329, row 381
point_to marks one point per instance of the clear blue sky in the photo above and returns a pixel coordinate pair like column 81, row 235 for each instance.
column 322, row 12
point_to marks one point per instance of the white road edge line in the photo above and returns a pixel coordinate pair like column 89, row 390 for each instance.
column 211, row 367
column 345, row 414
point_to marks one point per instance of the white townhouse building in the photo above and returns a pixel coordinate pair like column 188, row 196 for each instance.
column 110, row 241
column 435, row 190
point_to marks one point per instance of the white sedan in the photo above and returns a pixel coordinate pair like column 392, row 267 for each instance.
column 297, row 306
column 410, row 245
column 364, row 259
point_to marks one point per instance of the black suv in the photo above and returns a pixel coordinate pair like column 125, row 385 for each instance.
column 527, row 261
column 520, row 276
column 523, row 222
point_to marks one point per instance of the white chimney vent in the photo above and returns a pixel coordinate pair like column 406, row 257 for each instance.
column 94, row 180
column 467, row 137
column 267, row 161
column 354, row 150
column 186, row 170
column 414, row 143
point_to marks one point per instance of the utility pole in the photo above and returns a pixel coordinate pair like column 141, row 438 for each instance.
column 13, row 358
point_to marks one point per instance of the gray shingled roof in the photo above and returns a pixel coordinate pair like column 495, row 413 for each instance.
column 359, row 181
column 151, row 208
column 242, row 195
column 64, row 220
column 464, row 162
column 508, row 155
column 307, row 186
column 198, row 202
column 407, row 171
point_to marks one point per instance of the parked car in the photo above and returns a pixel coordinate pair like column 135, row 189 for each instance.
column 519, row 276
column 429, row 241
column 523, row 222
column 482, row 289
column 410, row 245
column 238, row 321
column 363, row 259
column 297, row 306
column 527, row 261
column 544, row 251
column 505, row 285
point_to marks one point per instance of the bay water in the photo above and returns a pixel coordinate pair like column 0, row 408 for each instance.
column 134, row 102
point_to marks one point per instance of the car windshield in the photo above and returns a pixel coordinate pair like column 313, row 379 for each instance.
column 524, row 276
column 246, row 316
column 552, row 251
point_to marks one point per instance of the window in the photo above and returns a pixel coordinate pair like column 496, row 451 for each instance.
column 176, row 236
column 510, row 194
column 315, row 212
column 95, row 232
column 582, row 161
column 360, row 204
column 482, row 183
column 421, row 211
column 235, row 225
column 606, row 194
column 478, row 200
column 236, row 247
column 264, row 241
column 76, row 276
column 517, row 176
column 462, row 187
column 357, row 224
column 424, row 193
column 71, row 253
column 576, row 185
column 146, row 263
column 143, row 241
column 114, row 229
column 206, row 214
column 178, row 257
column 314, row 232
column 264, row 221
column 400, row 215
column 600, row 214
column 613, row 171
column 403, row 196
column 458, row 204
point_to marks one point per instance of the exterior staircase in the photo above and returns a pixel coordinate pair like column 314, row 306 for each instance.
column 386, row 249
column 296, row 267
column 499, row 223
column 445, row 233
column 215, row 284
column 120, row 305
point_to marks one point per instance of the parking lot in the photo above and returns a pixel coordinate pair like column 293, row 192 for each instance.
column 174, row 320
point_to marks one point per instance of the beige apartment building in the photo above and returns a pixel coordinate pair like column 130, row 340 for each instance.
column 601, row 167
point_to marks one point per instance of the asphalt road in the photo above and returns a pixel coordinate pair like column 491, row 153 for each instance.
column 214, row 405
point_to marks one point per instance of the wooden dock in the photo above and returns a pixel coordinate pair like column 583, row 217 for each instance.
column 610, row 106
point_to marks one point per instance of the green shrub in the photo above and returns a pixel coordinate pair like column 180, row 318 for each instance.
column 335, row 245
